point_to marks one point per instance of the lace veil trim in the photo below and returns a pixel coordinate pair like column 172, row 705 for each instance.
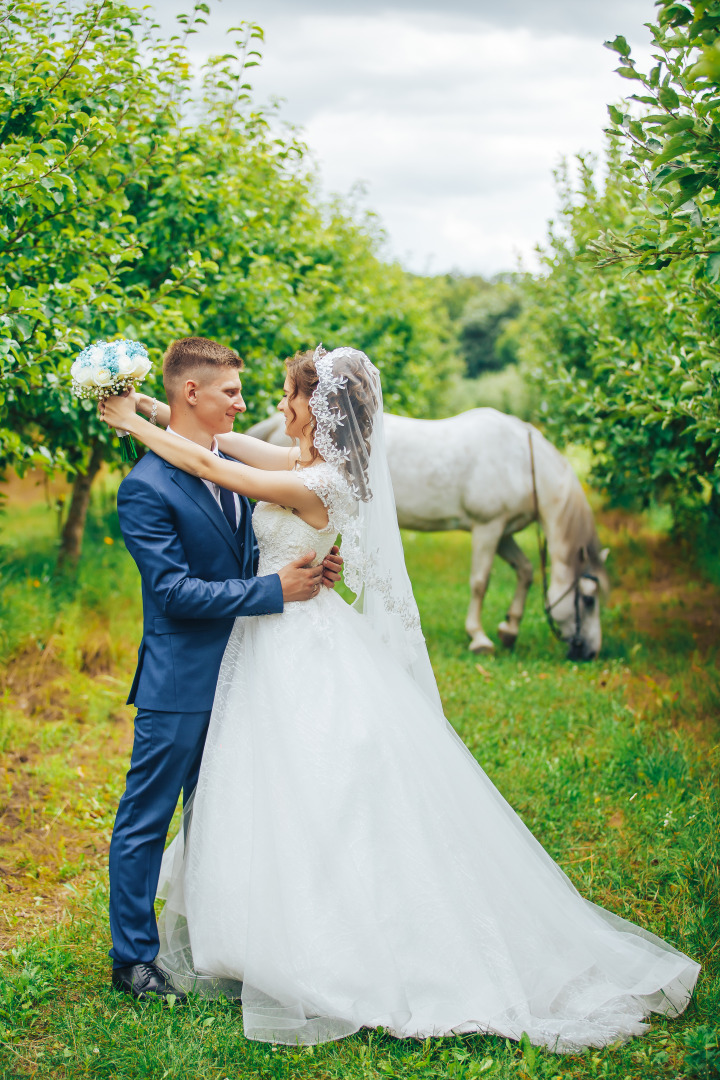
column 360, row 571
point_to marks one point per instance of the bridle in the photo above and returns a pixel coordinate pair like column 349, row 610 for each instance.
column 576, row 639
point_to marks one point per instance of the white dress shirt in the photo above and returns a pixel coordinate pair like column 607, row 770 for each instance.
column 212, row 487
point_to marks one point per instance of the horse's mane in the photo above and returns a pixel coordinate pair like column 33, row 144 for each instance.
column 580, row 532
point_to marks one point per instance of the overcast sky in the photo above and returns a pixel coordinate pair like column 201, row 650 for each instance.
column 453, row 115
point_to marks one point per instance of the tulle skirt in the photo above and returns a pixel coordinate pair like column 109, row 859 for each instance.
column 346, row 863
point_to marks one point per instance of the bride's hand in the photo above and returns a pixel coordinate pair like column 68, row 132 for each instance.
column 119, row 411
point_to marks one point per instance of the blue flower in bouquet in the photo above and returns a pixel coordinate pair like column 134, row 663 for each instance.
column 109, row 365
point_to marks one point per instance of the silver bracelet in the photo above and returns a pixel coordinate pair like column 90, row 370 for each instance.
column 153, row 412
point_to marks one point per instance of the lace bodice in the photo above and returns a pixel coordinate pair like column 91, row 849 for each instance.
column 283, row 536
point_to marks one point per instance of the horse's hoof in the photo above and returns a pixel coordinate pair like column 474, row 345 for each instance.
column 507, row 636
column 481, row 644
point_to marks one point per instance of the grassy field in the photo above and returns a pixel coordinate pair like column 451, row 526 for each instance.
column 613, row 765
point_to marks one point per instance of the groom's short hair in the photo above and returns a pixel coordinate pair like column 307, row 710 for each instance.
column 193, row 357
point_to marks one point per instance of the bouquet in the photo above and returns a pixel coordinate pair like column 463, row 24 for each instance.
column 107, row 368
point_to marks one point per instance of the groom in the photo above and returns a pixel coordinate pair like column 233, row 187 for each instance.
column 194, row 546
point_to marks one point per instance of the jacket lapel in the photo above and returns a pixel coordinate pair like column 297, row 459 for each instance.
column 194, row 487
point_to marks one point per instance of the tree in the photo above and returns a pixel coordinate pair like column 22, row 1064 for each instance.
column 486, row 316
column 86, row 114
column 672, row 150
column 121, row 215
column 621, row 332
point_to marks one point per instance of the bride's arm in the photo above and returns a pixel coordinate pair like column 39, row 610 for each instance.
column 283, row 487
column 251, row 451
column 144, row 405
column 255, row 452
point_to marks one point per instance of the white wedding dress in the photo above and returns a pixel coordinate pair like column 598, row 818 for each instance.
column 350, row 862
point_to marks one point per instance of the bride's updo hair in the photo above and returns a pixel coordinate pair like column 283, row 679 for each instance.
column 304, row 379
column 359, row 391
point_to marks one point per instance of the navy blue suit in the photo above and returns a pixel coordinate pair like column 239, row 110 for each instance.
column 197, row 577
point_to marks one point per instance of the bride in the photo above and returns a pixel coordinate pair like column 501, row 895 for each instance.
column 345, row 858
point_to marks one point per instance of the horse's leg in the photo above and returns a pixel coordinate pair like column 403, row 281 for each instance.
column 485, row 539
column 509, row 550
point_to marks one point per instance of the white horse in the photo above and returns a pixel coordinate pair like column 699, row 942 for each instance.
column 493, row 474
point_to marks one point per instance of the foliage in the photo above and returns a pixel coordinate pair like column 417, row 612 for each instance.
column 482, row 315
column 507, row 390
column 285, row 270
column 624, row 364
column 672, row 150
column 120, row 214
column 481, row 312
column 87, row 114
column 483, row 344
column 703, row 1057
column 622, row 335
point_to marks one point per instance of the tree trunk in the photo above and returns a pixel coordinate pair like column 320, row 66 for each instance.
column 714, row 513
column 72, row 533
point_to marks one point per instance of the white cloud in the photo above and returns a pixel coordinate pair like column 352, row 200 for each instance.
column 454, row 121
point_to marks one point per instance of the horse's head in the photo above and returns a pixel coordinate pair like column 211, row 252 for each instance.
column 576, row 608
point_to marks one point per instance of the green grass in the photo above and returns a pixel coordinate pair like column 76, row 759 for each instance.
column 34, row 599
column 613, row 765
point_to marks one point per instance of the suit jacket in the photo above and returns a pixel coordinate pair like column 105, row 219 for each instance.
column 196, row 578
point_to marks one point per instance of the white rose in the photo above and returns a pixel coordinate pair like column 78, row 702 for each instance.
column 141, row 367
column 83, row 375
column 125, row 363
column 103, row 377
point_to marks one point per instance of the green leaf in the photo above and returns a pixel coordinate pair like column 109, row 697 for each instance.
column 708, row 66
column 23, row 326
column 678, row 144
column 668, row 173
column 682, row 123
column 675, row 15
column 668, row 97
column 712, row 267
column 619, row 45
column 628, row 72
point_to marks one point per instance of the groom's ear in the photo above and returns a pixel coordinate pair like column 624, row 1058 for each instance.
column 190, row 389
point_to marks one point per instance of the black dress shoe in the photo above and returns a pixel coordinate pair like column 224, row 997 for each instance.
column 142, row 980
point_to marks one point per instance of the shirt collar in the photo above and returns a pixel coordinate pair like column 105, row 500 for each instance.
column 214, row 447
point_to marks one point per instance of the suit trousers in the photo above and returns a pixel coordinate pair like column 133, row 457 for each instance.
column 166, row 757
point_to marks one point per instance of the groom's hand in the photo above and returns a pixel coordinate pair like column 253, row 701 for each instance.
column 332, row 567
column 299, row 580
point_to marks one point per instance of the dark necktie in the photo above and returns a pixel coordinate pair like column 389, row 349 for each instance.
column 227, row 502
